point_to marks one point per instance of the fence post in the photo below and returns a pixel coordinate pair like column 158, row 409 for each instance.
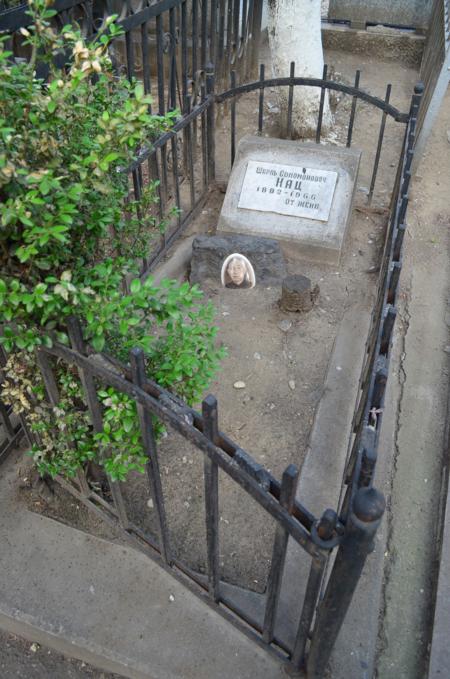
column 363, row 520
column 210, row 123
column 255, row 37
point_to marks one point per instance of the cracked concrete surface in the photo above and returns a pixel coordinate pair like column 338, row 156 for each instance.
column 422, row 383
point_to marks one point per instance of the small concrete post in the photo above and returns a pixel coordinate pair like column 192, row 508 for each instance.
column 297, row 293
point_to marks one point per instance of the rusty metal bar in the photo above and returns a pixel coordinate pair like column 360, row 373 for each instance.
column 211, row 473
column 287, row 497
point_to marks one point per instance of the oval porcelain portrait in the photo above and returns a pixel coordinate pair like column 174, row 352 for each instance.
column 237, row 272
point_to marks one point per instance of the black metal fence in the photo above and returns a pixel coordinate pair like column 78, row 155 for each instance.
column 352, row 526
column 369, row 412
column 166, row 45
column 317, row 536
column 184, row 162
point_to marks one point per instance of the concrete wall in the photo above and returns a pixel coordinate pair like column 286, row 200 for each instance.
column 414, row 13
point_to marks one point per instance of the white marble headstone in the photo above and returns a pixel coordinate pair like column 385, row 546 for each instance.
column 292, row 191
column 288, row 190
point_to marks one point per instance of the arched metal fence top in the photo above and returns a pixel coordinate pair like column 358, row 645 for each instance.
column 314, row 82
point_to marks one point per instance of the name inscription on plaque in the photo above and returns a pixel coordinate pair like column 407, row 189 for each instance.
column 288, row 190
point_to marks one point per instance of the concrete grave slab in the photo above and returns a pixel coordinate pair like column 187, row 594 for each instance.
column 293, row 191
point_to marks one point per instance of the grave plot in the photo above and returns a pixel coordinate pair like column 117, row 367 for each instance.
column 275, row 375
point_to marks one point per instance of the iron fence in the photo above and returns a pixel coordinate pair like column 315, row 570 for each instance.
column 351, row 527
column 369, row 411
column 166, row 45
column 316, row 536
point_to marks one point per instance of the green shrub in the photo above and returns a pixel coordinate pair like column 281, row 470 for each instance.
column 68, row 239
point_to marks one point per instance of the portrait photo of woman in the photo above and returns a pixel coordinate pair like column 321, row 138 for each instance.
column 237, row 272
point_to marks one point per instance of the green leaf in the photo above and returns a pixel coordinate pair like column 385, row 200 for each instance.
column 51, row 106
column 135, row 286
column 139, row 91
column 98, row 342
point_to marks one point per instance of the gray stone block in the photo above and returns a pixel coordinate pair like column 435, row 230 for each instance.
column 287, row 167
column 410, row 13
column 209, row 252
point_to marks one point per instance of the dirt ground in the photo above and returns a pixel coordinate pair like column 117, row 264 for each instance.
column 29, row 660
column 284, row 370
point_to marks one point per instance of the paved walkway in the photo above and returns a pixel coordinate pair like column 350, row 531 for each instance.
column 420, row 376
column 110, row 605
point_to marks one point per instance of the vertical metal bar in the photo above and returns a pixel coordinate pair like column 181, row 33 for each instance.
column 290, row 100
column 379, row 388
column 243, row 19
column 309, row 605
column 379, row 145
column 184, row 78
column 363, row 520
column 173, row 61
column 136, row 184
column 161, row 105
column 213, row 32
column 137, row 363
column 211, row 471
column 261, row 99
column 257, row 12
column 153, row 173
column 394, row 276
column 190, row 155
column 176, row 181
column 90, row 392
column 228, row 54
column 160, row 64
column 146, row 60
column 325, row 529
column 247, row 70
column 194, row 17
column 403, row 208
column 398, row 243
column 321, row 106
column 233, row 118
column 236, row 8
column 129, row 53
column 220, row 62
column 353, row 111
column 184, row 52
column 388, row 325
column 210, row 121
column 6, row 421
column 204, row 31
column 204, row 142
column 287, row 498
